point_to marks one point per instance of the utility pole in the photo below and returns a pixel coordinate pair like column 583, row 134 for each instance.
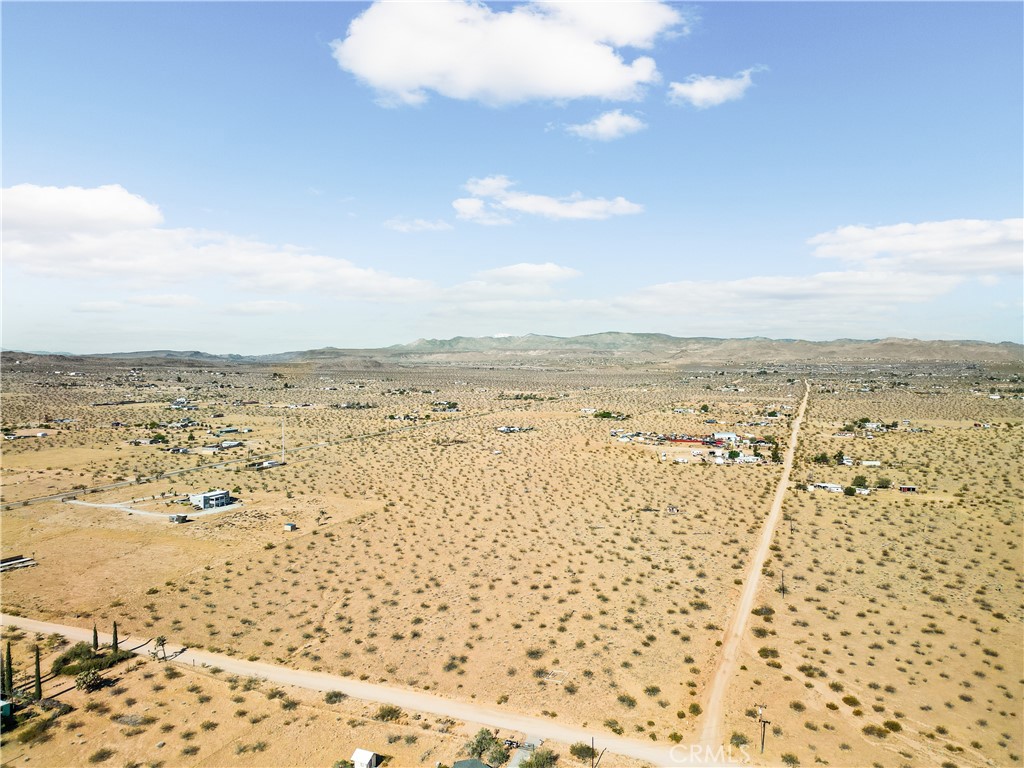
column 764, row 723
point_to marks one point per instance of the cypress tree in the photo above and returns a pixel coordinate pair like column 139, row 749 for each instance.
column 95, row 639
column 3, row 679
column 113, row 644
column 39, row 679
column 10, row 670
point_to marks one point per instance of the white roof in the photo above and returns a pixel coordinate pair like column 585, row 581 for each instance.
column 362, row 756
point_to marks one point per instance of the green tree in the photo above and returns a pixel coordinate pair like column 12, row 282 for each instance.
column 113, row 644
column 776, row 456
column 542, row 758
column 839, row 457
column 821, row 458
column 497, row 755
column 849, row 490
column 883, row 482
column 860, row 481
column 704, row 409
column 481, row 743
column 734, row 455
column 37, row 692
column 95, row 639
column 582, row 751
column 89, row 680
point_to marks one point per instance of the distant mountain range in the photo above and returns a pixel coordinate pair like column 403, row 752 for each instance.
column 625, row 348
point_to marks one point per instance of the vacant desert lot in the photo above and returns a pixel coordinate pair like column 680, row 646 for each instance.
column 540, row 571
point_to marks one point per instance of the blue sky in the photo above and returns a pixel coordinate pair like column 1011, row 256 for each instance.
column 263, row 177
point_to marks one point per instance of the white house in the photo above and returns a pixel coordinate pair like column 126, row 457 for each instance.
column 830, row 487
column 364, row 758
column 210, row 499
column 728, row 436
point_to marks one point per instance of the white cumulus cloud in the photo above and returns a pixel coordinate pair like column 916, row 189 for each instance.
column 514, row 281
column 165, row 300
column 703, row 91
column 96, row 209
column 494, row 199
column 264, row 307
column 954, row 246
column 466, row 50
column 417, row 225
column 608, row 126
column 109, row 233
column 529, row 273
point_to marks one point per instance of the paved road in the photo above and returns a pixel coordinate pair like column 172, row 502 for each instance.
column 655, row 754
column 711, row 734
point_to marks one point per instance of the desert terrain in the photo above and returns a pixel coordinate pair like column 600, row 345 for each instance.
column 561, row 571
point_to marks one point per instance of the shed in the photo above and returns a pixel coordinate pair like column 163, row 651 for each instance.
column 470, row 762
column 290, row 526
column 364, row 758
column 178, row 518
column 908, row 489
column 6, row 708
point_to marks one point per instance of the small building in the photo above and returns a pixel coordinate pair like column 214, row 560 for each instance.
column 862, row 491
column 364, row 758
column 908, row 489
column 6, row 708
column 830, row 487
column 290, row 526
column 871, row 463
column 731, row 437
column 177, row 518
column 210, row 499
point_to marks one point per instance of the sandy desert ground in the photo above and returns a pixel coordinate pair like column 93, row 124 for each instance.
column 539, row 571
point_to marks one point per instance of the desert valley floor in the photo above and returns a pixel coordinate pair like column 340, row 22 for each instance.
column 580, row 569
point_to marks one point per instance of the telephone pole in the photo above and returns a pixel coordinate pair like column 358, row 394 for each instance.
column 764, row 723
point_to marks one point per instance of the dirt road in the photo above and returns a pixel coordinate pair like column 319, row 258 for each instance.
column 655, row 754
column 711, row 735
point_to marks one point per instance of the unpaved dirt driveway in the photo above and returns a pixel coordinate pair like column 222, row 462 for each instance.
column 655, row 754
column 711, row 732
